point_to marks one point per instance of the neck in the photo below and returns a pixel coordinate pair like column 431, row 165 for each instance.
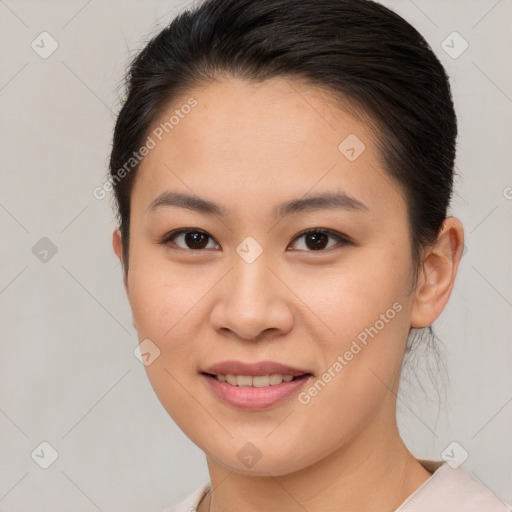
column 374, row 472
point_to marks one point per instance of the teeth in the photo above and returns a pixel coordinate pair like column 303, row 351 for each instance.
column 242, row 380
column 258, row 381
column 231, row 379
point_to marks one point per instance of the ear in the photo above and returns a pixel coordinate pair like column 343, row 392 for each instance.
column 437, row 274
column 117, row 245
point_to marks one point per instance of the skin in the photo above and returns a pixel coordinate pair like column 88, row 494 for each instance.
column 249, row 147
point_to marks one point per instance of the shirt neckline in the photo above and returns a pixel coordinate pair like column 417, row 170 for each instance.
column 432, row 466
column 436, row 467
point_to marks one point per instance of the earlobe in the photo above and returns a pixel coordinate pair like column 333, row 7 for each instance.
column 437, row 274
column 117, row 244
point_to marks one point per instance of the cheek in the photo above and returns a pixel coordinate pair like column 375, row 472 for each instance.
column 159, row 293
column 170, row 308
column 351, row 297
column 366, row 310
column 164, row 307
column 161, row 303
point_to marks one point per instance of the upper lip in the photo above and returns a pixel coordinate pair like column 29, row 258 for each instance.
column 253, row 369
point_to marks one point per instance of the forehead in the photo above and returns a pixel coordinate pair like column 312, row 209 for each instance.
column 250, row 142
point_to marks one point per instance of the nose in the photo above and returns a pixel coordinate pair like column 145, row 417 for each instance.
column 252, row 302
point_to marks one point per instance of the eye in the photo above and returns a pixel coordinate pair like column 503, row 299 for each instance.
column 189, row 239
column 195, row 239
column 318, row 239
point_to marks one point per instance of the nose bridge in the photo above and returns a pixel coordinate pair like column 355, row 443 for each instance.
column 250, row 274
column 251, row 283
column 251, row 299
column 251, row 280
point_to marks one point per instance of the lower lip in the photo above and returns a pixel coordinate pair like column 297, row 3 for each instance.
column 249, row 397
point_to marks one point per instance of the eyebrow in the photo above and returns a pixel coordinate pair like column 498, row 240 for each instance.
column 326, row 200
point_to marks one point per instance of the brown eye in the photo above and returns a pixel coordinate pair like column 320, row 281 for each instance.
column 192, row 239
column 318, row 240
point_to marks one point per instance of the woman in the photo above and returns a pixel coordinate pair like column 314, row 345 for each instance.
column 282, row 171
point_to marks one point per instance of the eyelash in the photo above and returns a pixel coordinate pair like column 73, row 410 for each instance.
column 342, row 240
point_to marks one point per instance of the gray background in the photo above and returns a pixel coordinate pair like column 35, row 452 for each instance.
column 68, row 374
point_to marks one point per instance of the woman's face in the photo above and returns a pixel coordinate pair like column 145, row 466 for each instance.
column 247, row 284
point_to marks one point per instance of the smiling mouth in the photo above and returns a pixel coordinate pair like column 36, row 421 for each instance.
column 256, row 381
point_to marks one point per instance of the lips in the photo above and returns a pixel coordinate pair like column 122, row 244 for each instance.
column 254, row 386
column 254, row 369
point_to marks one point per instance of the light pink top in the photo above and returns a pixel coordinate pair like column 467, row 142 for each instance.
column 447, row 490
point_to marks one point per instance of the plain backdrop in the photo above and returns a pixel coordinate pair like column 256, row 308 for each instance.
column 69, row 377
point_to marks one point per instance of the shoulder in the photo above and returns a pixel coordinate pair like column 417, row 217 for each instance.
column 452, row 489
column 447, row 490
column 190, row 503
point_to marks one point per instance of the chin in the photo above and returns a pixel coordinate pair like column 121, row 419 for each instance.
column 252, row 461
